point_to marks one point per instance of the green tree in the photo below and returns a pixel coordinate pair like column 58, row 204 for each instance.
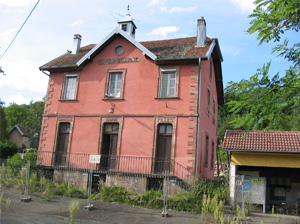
column 29, row 116
column 264, row 101
column 35, row 115
column 3, row 123
column 16, row 114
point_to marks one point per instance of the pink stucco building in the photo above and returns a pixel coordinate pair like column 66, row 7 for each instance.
column 145, row 107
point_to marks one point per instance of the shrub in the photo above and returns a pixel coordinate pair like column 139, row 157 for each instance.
column 214, row 187
column 8, row 149
column 77, row 193
column 114, row 194
column 186, row 201
column 151, row 199
column 14, row 164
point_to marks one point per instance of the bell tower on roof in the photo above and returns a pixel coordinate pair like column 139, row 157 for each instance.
column 127, row 24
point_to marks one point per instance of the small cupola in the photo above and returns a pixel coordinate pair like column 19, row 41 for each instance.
column 127, row 24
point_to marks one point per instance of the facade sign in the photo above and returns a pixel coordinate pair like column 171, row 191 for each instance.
column 95, row 158
column 118, row 60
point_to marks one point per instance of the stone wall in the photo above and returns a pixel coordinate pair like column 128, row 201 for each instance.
column 76, row 178
column 133, row 183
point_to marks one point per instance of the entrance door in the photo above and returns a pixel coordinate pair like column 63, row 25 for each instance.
column 62, row 144
column 109, row 146
column 163, row 148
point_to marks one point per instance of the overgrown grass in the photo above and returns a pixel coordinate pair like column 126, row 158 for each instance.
column 196, row 200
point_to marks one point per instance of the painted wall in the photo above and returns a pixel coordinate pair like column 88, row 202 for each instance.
column 207, row 126
column 138, row 109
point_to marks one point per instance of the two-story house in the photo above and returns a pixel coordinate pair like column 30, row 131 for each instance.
column 145, row 107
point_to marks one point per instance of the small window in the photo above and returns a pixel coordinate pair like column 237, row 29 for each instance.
column 133, row 30
column 165, row 129
column 210, row 69
column 124, row 27
column 212, row 161
column 119, row 50
column 70, row 87
column 208, row 101
column 115, row 83
column 168, row 83
column 206, row 151
column 214, row 111
column 111, row 127
column 64, row 128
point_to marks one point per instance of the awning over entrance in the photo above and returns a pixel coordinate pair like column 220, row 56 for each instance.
column 265, row 159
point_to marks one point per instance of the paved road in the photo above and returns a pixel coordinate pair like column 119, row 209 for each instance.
column 39, row 211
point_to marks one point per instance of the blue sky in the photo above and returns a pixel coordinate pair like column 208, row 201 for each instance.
column 49, row 33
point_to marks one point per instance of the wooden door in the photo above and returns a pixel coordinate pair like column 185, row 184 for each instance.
column 163, row 148
column 109, row 146
column 62, row 144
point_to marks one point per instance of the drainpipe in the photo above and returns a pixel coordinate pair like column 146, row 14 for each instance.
column 198, row 118
column 42, row 70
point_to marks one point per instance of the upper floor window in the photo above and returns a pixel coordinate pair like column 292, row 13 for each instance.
column 115, row 83
column 210, row 69
column 70, row 87
column 214, row 111
column 168, row 83
column 208, row 101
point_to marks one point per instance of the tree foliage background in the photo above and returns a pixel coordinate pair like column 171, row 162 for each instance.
column 268, row 101
column 29, row 116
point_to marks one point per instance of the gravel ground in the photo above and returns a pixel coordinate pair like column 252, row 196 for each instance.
column 39, row 211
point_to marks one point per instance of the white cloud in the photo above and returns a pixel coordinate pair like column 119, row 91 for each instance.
column 16, row 2
column 163, row 31
column 153, row 3
column 78, row 22
column 246, row 6
column 178, row 9
column 236, row 53
column 24, row 76
column 20, row 99
column 6, row 35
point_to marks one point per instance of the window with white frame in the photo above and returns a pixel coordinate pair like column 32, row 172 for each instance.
column 114, row 83
column 70, row 87
column 168, row 83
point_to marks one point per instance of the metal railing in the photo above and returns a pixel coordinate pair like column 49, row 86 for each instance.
column 121, row 164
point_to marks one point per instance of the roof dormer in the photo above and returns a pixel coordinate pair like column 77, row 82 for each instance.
column 127, row 24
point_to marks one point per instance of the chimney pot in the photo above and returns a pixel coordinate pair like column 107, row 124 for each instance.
column 201, row 32
column 76, row 43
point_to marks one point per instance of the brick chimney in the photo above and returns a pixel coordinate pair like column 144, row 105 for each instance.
column 201, row 32
column 76, row 43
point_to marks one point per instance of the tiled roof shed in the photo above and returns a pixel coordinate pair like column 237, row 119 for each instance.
column 262, row 141
column 24, row 131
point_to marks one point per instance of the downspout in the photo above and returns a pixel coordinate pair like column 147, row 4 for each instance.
column 198, row 118
column 42, row 70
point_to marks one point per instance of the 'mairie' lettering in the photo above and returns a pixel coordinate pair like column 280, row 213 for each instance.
column 118, row 60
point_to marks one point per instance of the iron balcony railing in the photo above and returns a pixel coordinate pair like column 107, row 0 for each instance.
column 121, row 164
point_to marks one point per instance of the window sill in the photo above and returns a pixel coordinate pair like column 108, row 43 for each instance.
column 167, row 98
column 113, row 99
column 68, row 101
